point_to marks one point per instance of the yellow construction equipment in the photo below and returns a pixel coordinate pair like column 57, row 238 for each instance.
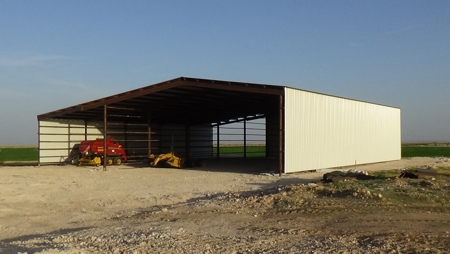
column 95, row 161
column 165, row 160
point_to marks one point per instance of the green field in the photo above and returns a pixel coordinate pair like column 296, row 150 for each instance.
column 19, row 154
column 425, row 151
column 252, row 151
column 407, row 151
column 31, row 154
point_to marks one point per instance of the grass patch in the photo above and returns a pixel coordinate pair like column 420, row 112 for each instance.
column 443, row 170
column 417, row 192
column 18, row 154
column 365, row 196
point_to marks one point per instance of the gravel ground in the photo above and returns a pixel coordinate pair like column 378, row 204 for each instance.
column 139, row 210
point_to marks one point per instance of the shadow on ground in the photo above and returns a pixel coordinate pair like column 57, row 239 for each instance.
column 231, row 165
column 10, row 245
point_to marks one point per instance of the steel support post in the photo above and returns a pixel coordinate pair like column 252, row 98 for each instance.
column 85, row 130
column 105, row 129
column 149, row 138
column 245, row 138
column 125, row 128
column 218, row 142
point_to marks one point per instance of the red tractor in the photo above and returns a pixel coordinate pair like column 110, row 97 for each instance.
column 90, row 152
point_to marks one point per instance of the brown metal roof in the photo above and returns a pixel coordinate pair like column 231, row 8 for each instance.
column 181, row 100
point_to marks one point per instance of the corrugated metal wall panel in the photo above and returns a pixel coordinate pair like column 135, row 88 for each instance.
column 173, row 137
column 323, row 131
column 201, row 140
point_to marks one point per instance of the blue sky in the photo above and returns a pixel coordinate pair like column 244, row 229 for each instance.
column 55, row 54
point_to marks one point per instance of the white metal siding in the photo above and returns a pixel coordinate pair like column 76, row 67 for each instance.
column 323, row 131
column 57, row 137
